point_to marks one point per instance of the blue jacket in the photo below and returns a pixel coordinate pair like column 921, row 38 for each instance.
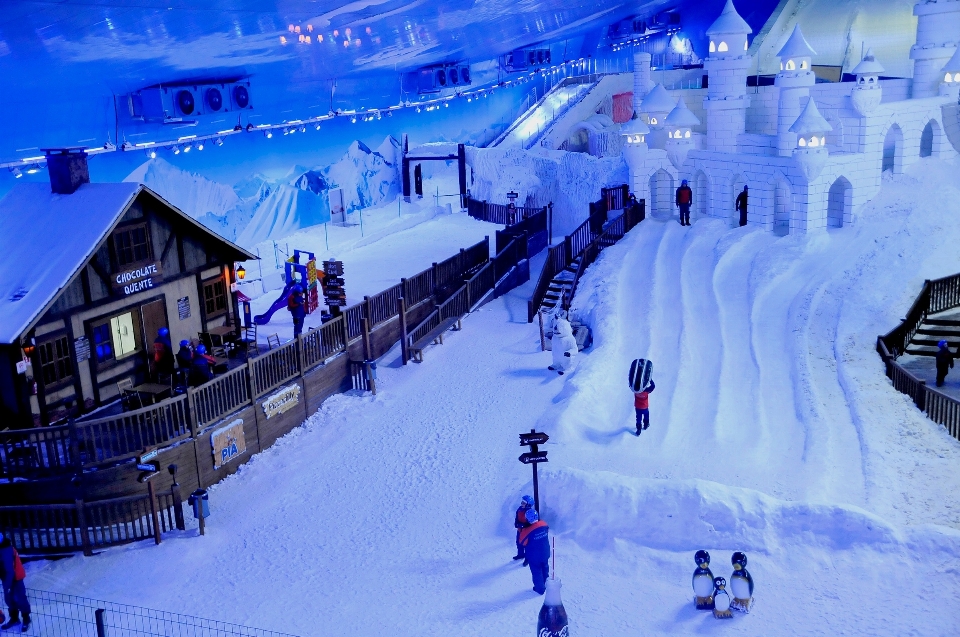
column 536, row 542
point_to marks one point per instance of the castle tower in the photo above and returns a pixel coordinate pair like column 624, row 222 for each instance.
column 811, row 131
column 868, row 94
column 938, row 32
column 641, row 78
column 679, row 123
column 653, row 111
column 726, row 66
column 794, row 79
column 950, row 85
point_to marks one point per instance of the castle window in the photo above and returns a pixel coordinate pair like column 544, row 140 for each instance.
column 791, row 65
column 862, row 80
column 713, row 46
column 948, row 78
column 803, row 65
column 687, row 134
column 653, row 120
column 814, row 141
column 872, row 80
column 723, row 48
column 803, row 142
column 746, row 45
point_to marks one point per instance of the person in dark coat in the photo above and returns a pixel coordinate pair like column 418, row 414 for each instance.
column 944, row 362
column 535, row 540
column 12, row 575
column 638, row 210
column 201, row 367
column 520, row 523
column 742, row 206
column 298, row 310
column 684, row 201
column 185, row 355
column 162, row 353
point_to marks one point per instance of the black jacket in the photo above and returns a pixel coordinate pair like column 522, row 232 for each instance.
column 944, row 358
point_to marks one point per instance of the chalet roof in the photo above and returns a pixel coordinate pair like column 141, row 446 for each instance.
column 46, row 239
column 796, row 46
column 729, row 22
column 869, row 65
column 657, row 101
column 810, row 121
column 681, row 116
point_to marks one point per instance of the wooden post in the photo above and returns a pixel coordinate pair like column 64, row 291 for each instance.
column 371, row 381
column 101, row 624
column 192, row 412
column 367, row 353
column 434, row 284
column 84, row 531
column 203, row 525
column 567, row 251
column 152, row 494
column 346, row 330
column 402, row 307
column 543, row 342
column 178, row 506
column 550, row 223
column 921, row 399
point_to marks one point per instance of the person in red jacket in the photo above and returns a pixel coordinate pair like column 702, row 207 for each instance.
column 520, row 523
column 684, row 201
column 641, row 402
column 12, row 575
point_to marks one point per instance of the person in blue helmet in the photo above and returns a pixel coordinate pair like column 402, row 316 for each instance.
column 162, row 353
column 201, row 367
column 520, row 523
column 298, row 309
column 535, row 540
column 944, row 362
column 185, row 355
column 684, row 201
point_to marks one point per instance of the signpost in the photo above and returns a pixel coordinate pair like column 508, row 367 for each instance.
column 335, row 296
column 150, row 470
column 534, row 457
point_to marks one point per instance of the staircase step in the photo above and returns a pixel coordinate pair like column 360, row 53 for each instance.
column 928, row 342
column 921, row 352
column 942, row 322
column 939, row 332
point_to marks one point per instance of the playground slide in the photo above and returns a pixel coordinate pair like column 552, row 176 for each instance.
column 280, row 303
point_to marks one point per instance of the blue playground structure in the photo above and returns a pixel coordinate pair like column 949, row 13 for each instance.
column 295, row 272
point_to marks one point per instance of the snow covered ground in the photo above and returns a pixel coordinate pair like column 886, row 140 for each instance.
column 773, row 431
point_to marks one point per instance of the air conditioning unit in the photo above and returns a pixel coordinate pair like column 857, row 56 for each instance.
column 525, row 59
column 177, row 102
column 458, row 75
column 433, row 79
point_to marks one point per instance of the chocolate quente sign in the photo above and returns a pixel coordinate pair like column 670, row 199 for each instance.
column 143, row 277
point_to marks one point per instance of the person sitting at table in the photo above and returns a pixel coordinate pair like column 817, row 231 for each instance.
column 162, row 354
column 201, row 368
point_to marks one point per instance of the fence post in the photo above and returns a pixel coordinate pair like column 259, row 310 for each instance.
column 367, row 354
column 367, row 311
column 402, row 307
column 75, row 459
column 568, row 251
column 192, row 416
column 84, row 531
column 101, row 625
column 921, row 398
column 177, row 506
column 433, row 283
column 152, row 494
column 549, row 209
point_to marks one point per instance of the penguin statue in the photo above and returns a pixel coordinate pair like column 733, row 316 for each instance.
column 741, row 584
column 721, row 599
column 703, row 582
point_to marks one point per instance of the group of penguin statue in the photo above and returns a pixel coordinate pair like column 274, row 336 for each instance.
column 711, row 592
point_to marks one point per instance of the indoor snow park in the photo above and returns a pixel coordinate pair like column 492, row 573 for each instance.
column 326, row 318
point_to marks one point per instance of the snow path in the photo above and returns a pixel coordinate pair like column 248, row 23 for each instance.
column 773, row 431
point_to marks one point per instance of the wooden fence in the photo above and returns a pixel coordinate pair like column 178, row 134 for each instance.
column 935, row 296
column 503, row 214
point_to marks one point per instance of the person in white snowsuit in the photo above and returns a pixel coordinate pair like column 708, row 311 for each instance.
column 564, row 347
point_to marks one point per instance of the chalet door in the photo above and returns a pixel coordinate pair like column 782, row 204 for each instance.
column 154, row 317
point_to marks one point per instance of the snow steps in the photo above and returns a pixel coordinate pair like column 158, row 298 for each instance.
column 931, row 332
column 560, row 286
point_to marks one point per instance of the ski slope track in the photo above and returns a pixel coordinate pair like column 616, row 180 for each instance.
column 773, row 431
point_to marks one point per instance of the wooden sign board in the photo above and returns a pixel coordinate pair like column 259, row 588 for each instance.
column 282, row 401
column 533, row 458
column 137, row 279
column 81, row 345
column 533, row 438
column 228, row 443
column 183, row 307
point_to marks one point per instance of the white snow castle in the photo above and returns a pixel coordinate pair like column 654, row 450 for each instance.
column 811, row 153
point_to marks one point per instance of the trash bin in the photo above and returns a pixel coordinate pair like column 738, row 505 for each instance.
column 200, row 502
column 371, row 370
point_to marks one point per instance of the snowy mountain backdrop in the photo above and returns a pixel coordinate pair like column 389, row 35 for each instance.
column 257, row 209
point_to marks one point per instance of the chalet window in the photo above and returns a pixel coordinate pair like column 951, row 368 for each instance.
column 132, row 245
column 117, row 337
column 56, row 365
column 215, row 297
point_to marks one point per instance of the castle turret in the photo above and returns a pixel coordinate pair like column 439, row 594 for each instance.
column 811, row 130
column 867, row 94
column 679, row 123
column 727, row 66
column 950, row 86
column 795, row 79
column 938, row 32
column 641, row 78
column 634, row 135
column 653, row 111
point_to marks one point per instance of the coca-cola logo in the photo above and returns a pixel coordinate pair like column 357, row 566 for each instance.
column 546, row 632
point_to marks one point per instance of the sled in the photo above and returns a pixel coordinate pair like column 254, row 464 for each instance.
column 640, row 372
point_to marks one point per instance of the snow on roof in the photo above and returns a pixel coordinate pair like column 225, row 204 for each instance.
column 796, row 46
column 810, row 121
column 681, row 116
column 657, row 101
column 729, row 22
column 635, row 126
column 45, row 239
column 953, row 66
column 869, row 65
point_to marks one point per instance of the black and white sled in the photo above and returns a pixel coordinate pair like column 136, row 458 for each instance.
column 641, row 371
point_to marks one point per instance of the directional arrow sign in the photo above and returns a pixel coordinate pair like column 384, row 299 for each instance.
column 147, row 467
column 533, row 458
column 533, row 438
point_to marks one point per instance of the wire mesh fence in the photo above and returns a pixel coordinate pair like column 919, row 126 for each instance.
column 59, row 615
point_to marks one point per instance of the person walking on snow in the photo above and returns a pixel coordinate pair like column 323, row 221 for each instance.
column 12, row 575
column 684, row 201
column 944, row 362
column 641, row 402
column 564, row 347
column 520, row 523
column 298, row 310
column 535, row 540
column 742, row 206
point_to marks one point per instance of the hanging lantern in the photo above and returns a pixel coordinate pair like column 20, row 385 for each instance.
column 241, row 273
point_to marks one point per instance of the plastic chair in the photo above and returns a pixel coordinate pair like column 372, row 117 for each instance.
column 127, row 395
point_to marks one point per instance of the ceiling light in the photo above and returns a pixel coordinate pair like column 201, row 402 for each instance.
column 303, row 129
column 16, row 172
column 268, row 134
column 200, row 146
column 317, row 126
column 34, row 169
column 353, row 120
column 176, row 150
column 218, row 142
column 249, row 127
column 187, row 148
column 152, row 154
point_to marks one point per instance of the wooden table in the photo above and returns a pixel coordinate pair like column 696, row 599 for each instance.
column 222, row 334
column 155, row 391
column 219, row 365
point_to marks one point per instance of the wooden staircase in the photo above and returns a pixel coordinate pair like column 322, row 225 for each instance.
column 932, row 331
column 560, row 287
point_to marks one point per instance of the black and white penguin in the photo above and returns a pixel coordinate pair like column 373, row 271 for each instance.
column 721, row 599
column 741, row 583
column 703, row 582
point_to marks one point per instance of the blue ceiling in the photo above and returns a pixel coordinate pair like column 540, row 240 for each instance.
column 64, row 64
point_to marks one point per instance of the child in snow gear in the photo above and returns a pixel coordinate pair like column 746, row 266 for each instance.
column 564, row 347
column 201, row 369
column 641, row 402
column 742, row 206
column 12, row 575
column 184, row 355
column 520, row 523
column 684, row 201
column 944, row 362
column 297, row 309
column 535, row 540
column 162, row 353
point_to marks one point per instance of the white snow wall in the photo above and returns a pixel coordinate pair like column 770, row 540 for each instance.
column 570, row 180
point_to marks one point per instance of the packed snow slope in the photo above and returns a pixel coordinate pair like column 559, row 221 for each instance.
column 773, row 431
